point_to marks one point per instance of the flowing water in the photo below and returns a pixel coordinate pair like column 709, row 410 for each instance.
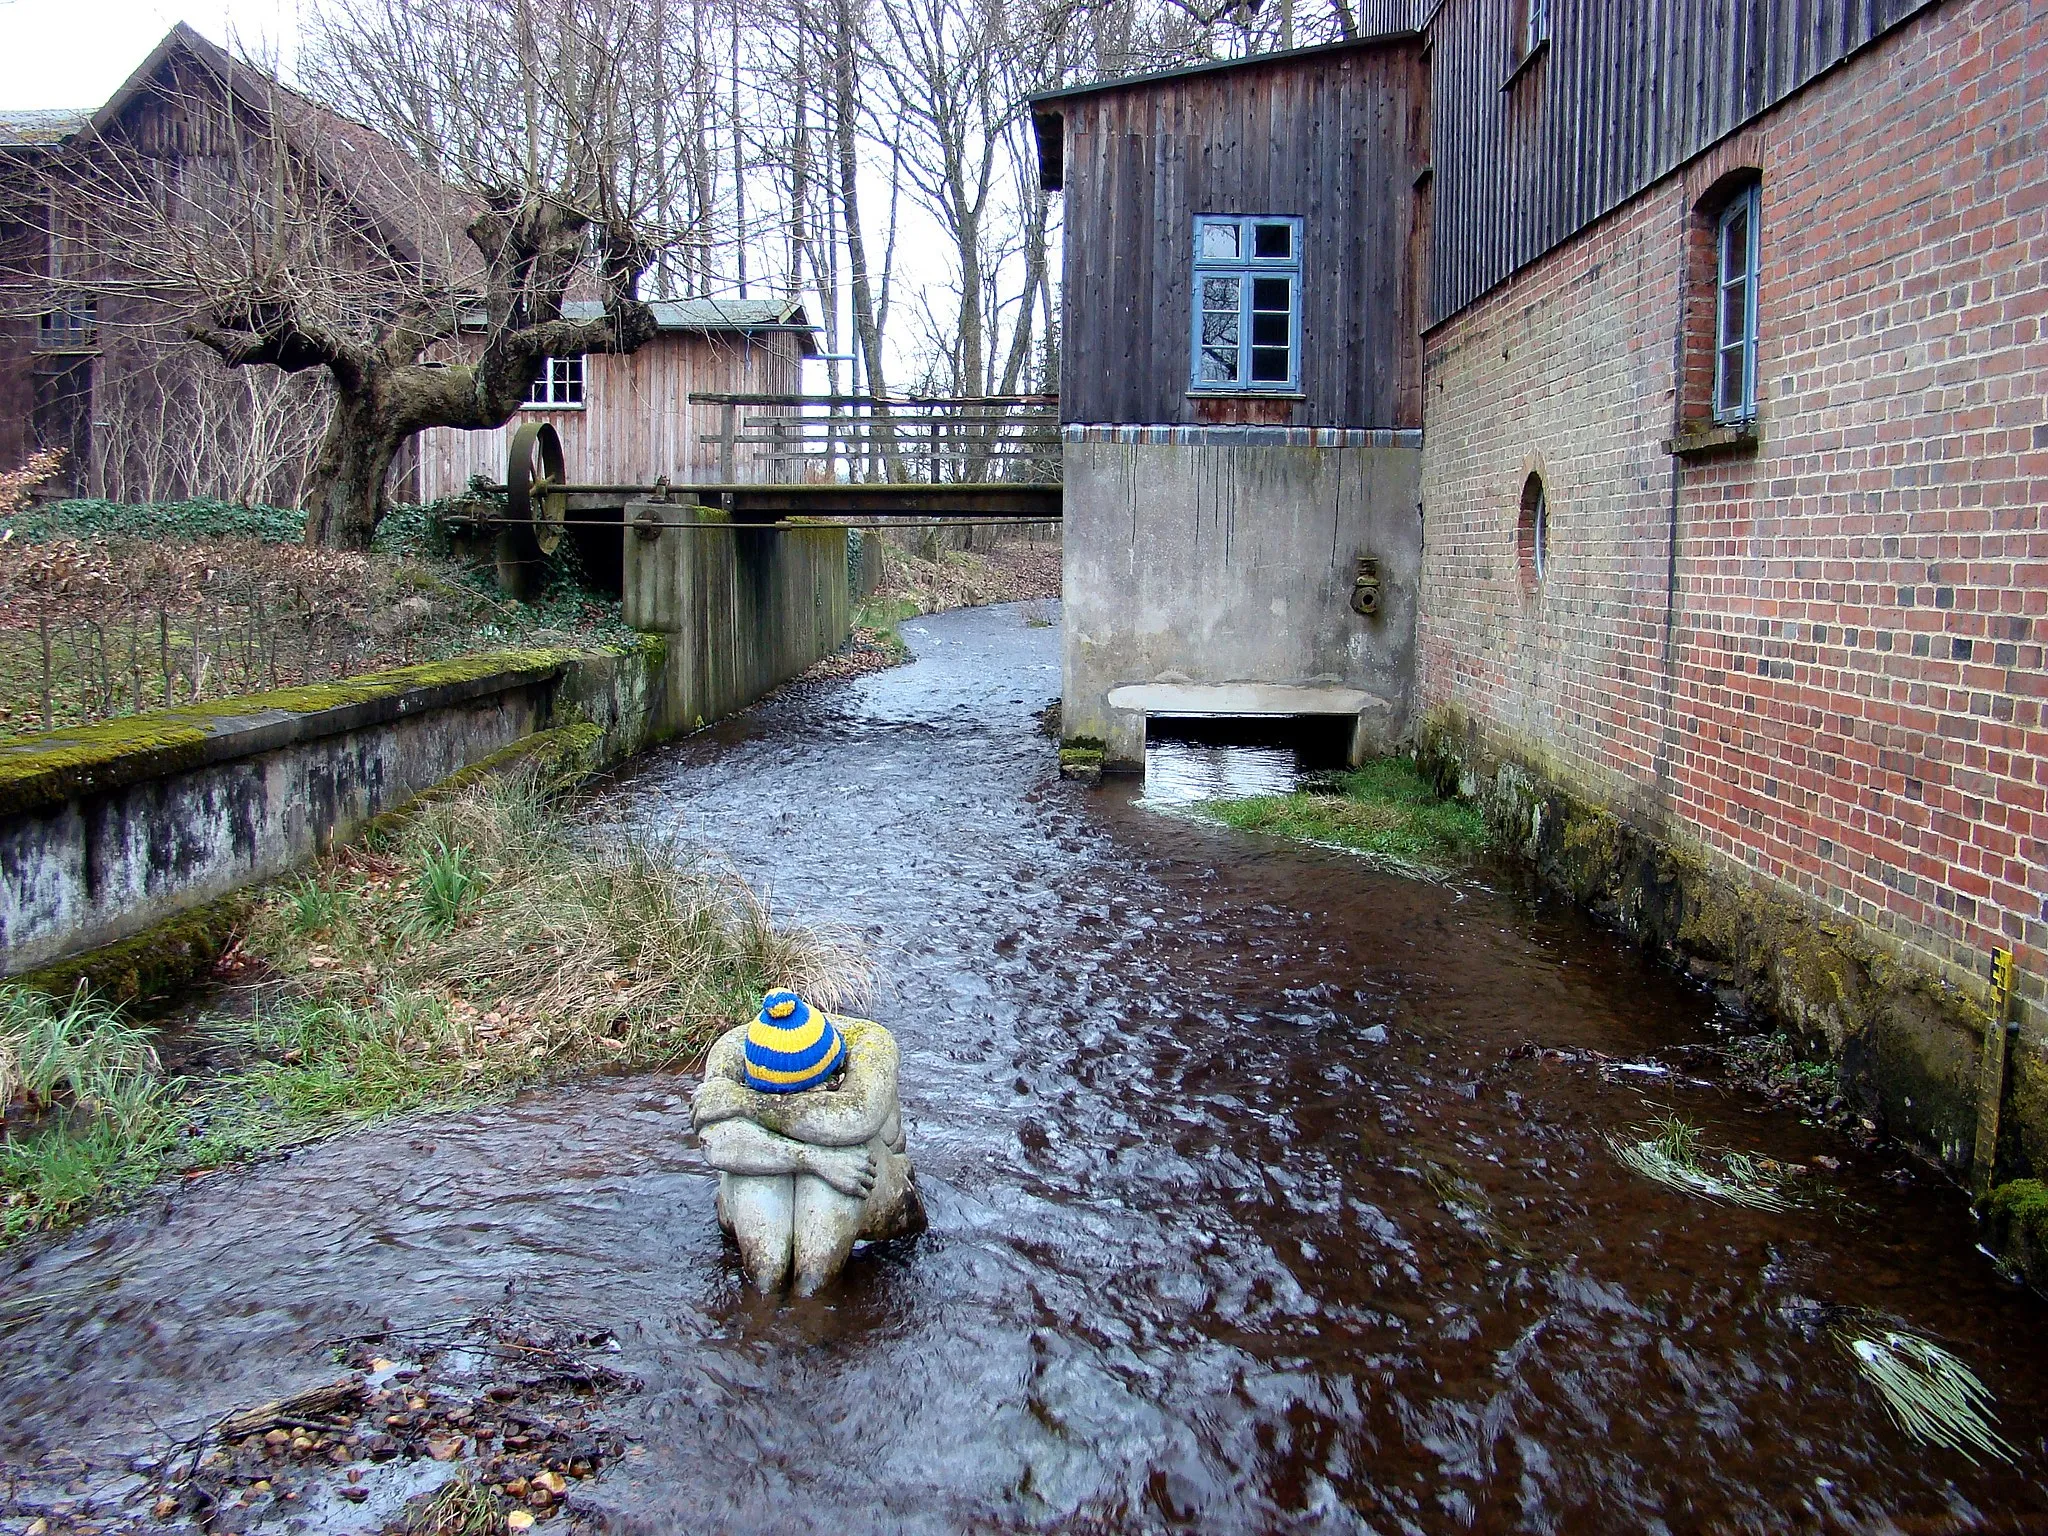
column 1268, row 1193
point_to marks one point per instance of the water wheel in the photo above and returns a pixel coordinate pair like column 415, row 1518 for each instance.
column 536, row 506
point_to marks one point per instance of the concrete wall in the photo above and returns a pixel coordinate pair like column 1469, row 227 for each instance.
column 106, row 830
column 1226, row 555
column 1812, row 664
column 742, row 609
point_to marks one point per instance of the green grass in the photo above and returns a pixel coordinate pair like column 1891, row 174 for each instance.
column 1675, row 1155
column 879, row 616
column 97, row 1110
column 1385, row 808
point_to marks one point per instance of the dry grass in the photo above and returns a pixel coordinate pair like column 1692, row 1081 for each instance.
column 530, row 939
column 1012, row 571
column 103, row 624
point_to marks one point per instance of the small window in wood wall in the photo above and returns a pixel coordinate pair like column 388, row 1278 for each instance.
column 559, row 387
column 1528, row 33
column 1247, row 320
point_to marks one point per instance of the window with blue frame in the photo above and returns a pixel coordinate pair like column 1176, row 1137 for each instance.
column 1735, row 310
column 1247, row 303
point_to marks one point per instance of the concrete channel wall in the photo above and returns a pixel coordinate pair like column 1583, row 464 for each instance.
column 109, row 831
column 1218, row 563
column 742, row 609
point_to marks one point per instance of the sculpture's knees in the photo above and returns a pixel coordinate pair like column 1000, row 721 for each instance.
column 760, row 1212
column 826, row 1223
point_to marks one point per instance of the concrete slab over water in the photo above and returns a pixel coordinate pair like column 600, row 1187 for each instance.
column 1268, row 1193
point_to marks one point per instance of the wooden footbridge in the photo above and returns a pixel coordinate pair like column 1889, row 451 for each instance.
column 859, row 460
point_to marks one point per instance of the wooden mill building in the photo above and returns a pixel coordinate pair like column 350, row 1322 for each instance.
column 1241, row 381
column 1715, row 335
column 627, row 420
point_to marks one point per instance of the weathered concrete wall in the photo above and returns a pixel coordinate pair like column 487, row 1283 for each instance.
column 108, row 829
column 1809, row 664
column 1226, row 555
column 741, row 609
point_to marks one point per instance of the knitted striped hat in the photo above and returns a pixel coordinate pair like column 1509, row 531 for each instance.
column 791, row 1046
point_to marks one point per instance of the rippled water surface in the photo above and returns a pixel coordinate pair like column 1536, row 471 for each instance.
column 1268, row 1193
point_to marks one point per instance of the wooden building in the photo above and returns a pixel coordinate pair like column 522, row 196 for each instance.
column 145, row 414
column 1315, row 153
column 628, row 420
column 1241, row 388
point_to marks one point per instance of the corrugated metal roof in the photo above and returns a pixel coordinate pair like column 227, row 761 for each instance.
column 40, row 125
column 708, row 314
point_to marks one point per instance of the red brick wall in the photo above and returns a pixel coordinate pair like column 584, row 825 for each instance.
column 1835, row 678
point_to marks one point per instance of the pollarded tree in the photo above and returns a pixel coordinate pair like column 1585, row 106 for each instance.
column 277, row 233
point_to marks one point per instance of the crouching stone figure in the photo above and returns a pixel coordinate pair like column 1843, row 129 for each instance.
column 798, row 1113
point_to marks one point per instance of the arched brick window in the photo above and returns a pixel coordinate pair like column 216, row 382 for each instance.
column 1532, row 532
column 1718, row 381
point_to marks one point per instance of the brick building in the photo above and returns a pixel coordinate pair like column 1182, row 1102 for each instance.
column 1733, row 585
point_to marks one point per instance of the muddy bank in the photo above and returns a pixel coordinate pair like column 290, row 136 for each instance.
column 1268, row 1192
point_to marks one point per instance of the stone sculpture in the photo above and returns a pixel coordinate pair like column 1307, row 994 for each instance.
column 798, row 1113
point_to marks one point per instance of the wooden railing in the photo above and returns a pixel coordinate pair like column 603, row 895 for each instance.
column 907, row 440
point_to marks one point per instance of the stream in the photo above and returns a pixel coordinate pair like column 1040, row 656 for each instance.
column 1268, row 1193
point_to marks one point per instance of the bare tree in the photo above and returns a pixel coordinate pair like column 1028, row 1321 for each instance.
column 277, row 234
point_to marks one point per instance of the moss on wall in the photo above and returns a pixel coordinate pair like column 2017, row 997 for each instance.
column 155, row 963
column 2016, row 1225
column 1904, row 1043
column 55, row 766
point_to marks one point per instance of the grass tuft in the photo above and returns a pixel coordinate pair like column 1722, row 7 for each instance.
column 447, row 880
column 1929, row 1393
column 95, row 1110
column 1674, row 1155
column 459, row 1507
column 1384, row 808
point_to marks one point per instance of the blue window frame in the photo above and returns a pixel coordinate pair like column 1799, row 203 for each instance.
column 1247, row 320
column 1735, row 310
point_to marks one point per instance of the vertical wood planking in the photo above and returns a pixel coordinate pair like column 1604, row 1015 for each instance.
column 1325, row 138
column 1626, row 92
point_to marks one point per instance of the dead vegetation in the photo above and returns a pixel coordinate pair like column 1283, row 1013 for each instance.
column 114, row 617
column 513, row 1405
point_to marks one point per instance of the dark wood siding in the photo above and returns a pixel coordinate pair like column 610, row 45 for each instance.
column 1337, row 139
column 1626, row 92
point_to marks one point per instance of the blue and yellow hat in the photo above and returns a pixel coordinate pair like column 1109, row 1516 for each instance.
column 791, row 1046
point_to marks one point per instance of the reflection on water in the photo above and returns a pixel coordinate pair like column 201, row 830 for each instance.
column 1189, row 758
column 1181, row 772
column 1269, row 1193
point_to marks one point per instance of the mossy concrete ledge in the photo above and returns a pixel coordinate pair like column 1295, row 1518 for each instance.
column 1904, row 1041
column 109, row 830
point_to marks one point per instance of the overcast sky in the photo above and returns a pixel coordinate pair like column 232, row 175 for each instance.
column 73, row 53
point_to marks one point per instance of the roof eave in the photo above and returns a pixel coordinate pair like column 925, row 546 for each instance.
column 1218, row 66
